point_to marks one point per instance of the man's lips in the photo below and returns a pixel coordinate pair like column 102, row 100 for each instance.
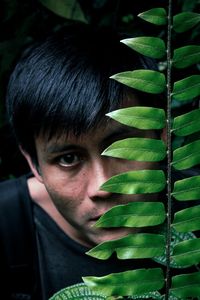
column 95, row 218
column 99, row 214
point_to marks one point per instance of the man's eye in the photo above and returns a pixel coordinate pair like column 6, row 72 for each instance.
column 69, row 160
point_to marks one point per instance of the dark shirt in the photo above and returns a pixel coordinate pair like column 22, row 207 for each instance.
column 61, row 261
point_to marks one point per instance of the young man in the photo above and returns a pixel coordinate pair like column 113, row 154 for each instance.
column 57, row 99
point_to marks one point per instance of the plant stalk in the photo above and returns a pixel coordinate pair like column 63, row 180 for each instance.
column 169, row 156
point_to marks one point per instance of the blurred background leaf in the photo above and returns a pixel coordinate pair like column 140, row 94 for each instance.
column 68, row 9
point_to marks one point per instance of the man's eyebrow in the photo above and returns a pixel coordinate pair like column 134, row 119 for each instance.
column 120, row 132
column 53, row 148
column 56, row 148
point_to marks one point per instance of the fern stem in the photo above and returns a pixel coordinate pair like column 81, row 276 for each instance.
column 169, row 157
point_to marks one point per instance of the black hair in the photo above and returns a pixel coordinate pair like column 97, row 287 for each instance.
column 62, row 83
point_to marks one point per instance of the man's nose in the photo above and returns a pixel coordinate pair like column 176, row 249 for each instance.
column 102, row 170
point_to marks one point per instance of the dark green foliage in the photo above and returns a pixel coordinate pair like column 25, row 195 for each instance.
column 186, row 286
column 137, row 149
column 133, row 214
column 143, row 80
column 180, row 51
column 185, row 253
column 136, row 182
column 186, row 56
column 150, row 46
column 157, row 16
column 77, row 291
column 134, row 282
column 185, row 21
column 187, row 219
column 140, row 117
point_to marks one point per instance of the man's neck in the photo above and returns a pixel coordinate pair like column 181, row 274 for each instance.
column 40, row 196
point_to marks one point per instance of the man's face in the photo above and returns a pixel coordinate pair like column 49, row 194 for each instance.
column 73, row 169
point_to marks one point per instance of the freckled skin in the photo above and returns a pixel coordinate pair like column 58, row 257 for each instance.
column 71, row 171
column 74, row 187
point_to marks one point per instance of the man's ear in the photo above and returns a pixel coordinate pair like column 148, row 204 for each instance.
column 33, row 165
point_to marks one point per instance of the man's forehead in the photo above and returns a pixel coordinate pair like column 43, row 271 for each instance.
column 98, row 137
column 99, row 131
